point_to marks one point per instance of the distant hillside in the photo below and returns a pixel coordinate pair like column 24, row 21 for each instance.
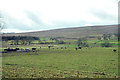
column 74, row 32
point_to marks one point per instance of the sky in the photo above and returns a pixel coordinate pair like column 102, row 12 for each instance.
column 37, row 15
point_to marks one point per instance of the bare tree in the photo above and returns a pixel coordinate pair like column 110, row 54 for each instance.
column 2, row 23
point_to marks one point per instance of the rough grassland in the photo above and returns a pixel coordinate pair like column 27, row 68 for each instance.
column 62, row 63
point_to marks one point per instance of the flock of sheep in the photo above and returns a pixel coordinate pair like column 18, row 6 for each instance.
column 18, row 50
column 35, row 49
column 27, row 49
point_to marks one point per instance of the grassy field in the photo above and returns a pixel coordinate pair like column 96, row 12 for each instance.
column 96, row 62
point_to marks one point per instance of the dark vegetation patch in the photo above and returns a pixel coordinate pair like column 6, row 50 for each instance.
column 11, row 64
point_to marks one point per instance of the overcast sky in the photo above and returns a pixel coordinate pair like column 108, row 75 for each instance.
column 37, row 15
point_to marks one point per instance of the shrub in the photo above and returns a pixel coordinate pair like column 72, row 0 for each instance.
column 106, row 44
column 61, row 42
column 82, row 42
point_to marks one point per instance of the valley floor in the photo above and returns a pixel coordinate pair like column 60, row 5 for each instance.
column 96, row 62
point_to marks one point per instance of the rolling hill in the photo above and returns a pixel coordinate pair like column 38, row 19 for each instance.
column 74, row 32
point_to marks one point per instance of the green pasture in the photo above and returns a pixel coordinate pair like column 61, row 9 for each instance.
column 96, row 62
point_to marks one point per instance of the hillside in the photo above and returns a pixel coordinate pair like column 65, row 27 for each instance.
column 74, row 32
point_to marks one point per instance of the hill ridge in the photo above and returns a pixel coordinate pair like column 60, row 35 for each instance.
column 72, row 32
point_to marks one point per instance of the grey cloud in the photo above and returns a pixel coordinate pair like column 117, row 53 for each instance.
column 16, row 24
column 34, row 17
column 37, row 19
column 104, row 15
column 13, row 23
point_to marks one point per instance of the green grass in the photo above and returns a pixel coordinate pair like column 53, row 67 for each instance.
column 62, row 63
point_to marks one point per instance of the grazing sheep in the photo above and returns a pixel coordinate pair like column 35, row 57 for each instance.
column 17, row 49
column 114, row 50
column 76, row 48
column 79, row 47
column 22, row 50
column 50, row 46
column 61, row 47
column 5, row 49
column 10, row 50
column 95, row 43
column 27, row 49
column 33, row 49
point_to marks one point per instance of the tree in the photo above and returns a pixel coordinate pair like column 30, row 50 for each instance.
column 53, row 39
column 60, row 42
column 107, row 36
column 17, row 38
column 2, row 23
column 82, row 42
column 99, row 38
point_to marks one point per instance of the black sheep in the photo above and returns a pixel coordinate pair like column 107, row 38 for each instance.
column 76, row 48
column 79, row 47
column 114, row 50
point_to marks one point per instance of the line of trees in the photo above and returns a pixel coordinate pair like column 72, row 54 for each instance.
column 105, row 37
column 109, row 36
column 27, row 40
column 57, row 40
column 16, row 40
